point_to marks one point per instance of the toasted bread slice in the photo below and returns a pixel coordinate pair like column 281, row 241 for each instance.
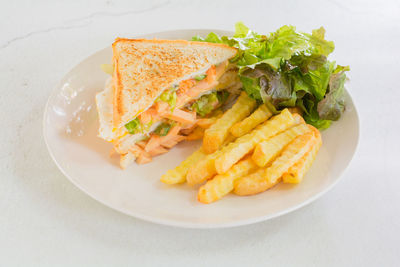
column 143, row 69
column 105, row 111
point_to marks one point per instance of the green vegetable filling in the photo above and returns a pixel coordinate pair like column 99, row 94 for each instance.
column 207, row 103
column 200, row 77
column 134, row 126
column 169, row 96
column 163, row 129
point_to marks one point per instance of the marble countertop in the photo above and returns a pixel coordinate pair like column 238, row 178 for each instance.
column 46, row 221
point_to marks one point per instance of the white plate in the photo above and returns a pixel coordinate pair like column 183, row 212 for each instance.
column 70, row 131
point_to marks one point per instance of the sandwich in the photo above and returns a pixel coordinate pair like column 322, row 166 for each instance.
column 157, row 92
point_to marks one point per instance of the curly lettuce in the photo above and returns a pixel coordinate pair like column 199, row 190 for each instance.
column 332, row 106
column 288, row 68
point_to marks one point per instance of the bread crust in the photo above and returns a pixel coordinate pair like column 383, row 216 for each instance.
column 143, row 69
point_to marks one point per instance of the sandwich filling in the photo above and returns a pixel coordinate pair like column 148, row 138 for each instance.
column 182, row 102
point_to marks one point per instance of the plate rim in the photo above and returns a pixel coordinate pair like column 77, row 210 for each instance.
column 191, row 225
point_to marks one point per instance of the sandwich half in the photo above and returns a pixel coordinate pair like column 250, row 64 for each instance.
column 157, row 92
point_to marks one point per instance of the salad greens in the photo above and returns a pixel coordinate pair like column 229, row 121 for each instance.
column 209, row 102
column 288, row 68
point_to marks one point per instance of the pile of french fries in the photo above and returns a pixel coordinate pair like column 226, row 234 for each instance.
column 246, row 151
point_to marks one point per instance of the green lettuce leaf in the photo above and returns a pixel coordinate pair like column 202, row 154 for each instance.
column 251, row 86
column 200, row 77
column 222, row 97
column 311, row 114
column 241, row 30
column 207, row 103
column 168, row 96
column 211, row 38
column 270, row 85
column 317, row 80
column 318, row 123
column 286, row 41
column 163, row 129
column 305, row 63
column 333, row 105
column 134, row 126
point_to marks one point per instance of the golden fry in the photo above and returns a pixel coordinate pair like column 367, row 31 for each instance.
column 197, row 134
column 205, row 168
column 263, row 179
column 260, row 115
column 298, row 118
column 267, row 150
column 245, row 144
column 253, row 184
column 290, row 155
column 215, row 136
column 206, row 122
column 222, row 184
column 178, row 175
column 298, row 170
column 229, row 139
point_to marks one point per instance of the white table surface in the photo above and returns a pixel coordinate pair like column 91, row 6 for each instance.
column 46, row 221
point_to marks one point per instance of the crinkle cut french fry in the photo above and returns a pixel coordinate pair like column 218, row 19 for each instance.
column 261, row 114
column 253, row 184
column 222, row 184
column 270, row 148
column 262, row 179
column 298, row 118
column 290, row 155
column 205, row 168
column 245, row 144
column 298, row 170
column 178, row 174
column 215, row 135
column 229, row 139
